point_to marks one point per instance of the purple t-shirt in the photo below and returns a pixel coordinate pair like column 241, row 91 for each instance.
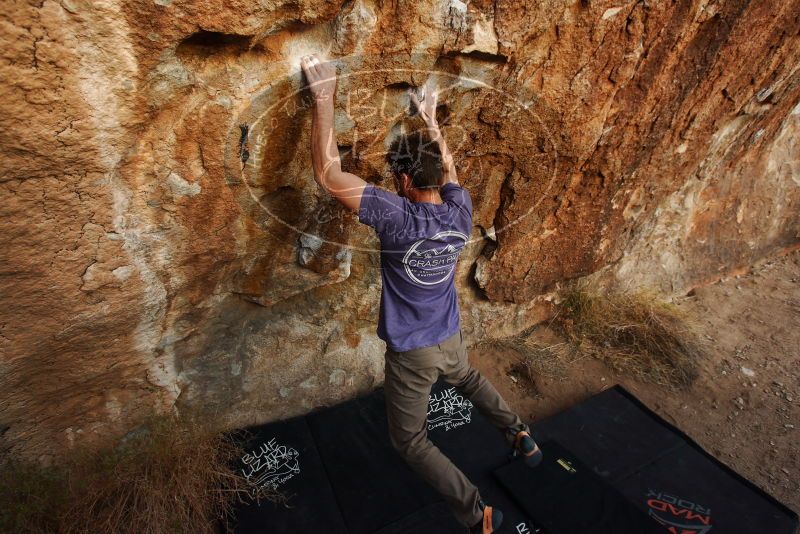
column 420, row 245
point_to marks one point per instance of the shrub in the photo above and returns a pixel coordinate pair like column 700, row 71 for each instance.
column 633, row 333
column 171, row 475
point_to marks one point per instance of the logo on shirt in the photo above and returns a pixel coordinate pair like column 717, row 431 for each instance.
column 429, row 266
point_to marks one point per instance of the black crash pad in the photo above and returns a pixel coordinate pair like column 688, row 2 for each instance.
column 285, row 455
column 349, row 474
column 660, row 470
column 564, row 496
column 341, row 474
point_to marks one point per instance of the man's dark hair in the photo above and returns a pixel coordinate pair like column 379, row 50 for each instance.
column 416, row 155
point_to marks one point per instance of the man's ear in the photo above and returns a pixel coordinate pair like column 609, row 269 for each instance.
column 406, row 181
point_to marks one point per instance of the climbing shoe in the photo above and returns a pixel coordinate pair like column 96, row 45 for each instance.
column 491, row 521
column 524, row 445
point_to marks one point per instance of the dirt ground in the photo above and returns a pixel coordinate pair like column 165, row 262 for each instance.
column 744, row 408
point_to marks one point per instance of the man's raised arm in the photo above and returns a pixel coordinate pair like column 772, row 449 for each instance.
column 346, row 187
column 427, row 111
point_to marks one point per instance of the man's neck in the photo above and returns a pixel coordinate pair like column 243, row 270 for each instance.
column 427, row 195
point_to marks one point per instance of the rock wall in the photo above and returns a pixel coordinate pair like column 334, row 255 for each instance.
column 165, row 245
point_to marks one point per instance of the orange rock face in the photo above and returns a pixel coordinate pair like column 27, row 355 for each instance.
column 165, row 245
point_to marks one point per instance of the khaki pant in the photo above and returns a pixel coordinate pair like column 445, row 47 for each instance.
column 409, row 377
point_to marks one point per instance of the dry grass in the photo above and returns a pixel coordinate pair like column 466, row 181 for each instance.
column 636, row 334
column 172, row 475
column 535, row 358
column 31, row 498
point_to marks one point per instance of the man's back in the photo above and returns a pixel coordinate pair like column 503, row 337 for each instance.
column 420, row 245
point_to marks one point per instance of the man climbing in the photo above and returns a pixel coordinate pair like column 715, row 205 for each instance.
column 422, row 230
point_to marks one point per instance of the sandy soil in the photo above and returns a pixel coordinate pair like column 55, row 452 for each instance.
column 745, row 406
